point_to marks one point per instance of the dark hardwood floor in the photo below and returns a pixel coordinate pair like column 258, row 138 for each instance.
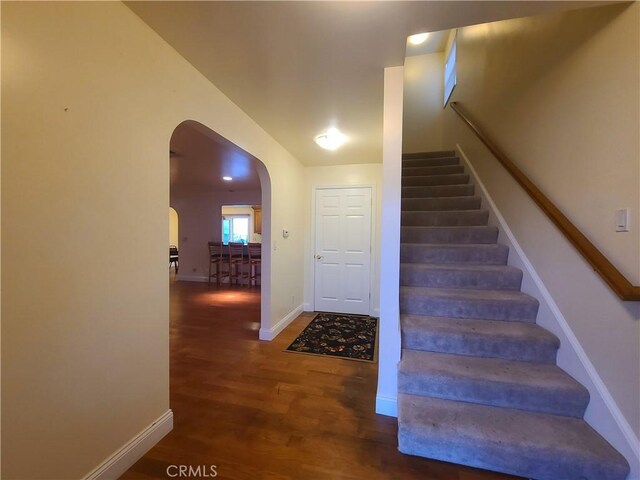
column 257, row 412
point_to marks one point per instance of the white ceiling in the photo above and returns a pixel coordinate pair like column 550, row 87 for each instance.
column 200, row 162
column 298, row 67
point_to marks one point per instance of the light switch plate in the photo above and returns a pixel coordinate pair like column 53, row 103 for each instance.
column 622, row 220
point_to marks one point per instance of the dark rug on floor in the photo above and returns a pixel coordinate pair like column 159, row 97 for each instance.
column 338, row 335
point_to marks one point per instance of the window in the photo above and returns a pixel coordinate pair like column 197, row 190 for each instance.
column 450, row 71
column 235, row 228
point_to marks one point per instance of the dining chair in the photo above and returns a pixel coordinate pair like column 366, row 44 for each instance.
column 255, row 262
column 215, row 262
column 173, row 257
column 237, row 260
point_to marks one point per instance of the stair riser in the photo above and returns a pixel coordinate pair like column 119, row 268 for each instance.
column 431, row 162
column 508, row 348
column 431, row 170
column 429, row 155
column 507, row 310
column 457, row 235
column 416, row 276
column 493, row 255
column 445, row 219
column 567, row 402
column 439, row 204
column 533, row 462
column 434, row 180
column 531, row 445
column 437, row 191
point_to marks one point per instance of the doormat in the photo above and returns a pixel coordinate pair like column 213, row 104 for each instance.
column 338, row 335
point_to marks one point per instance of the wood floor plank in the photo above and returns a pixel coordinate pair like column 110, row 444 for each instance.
column 258, row 412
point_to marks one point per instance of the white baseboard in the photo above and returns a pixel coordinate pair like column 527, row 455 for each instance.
column 121, row 460
column 271, row 333
column 599, row 420
column 204, row 279
column 375, row 312
column 191, row 278
column 387, row 406
column 307, row 307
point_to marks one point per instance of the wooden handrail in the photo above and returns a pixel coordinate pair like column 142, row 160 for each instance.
column 601, row 264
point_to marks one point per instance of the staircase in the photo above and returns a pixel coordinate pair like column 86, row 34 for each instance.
column 478, row 384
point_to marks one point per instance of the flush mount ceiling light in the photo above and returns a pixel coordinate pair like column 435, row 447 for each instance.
column 418, row 38
column 227, row 179
column 332, row 139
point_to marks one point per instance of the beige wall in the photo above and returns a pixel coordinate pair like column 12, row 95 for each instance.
column 559, row 94
column 423, row 103
column 91, row 96
column 174, row 230
column 369, row 174
column 201, row 222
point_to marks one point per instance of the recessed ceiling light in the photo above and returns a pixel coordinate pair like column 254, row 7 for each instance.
column 227, row 179
column 332, row 139
column 418, row 38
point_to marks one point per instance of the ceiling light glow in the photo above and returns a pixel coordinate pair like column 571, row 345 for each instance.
column 332, row 139
column 418, row 38
column 227, row 179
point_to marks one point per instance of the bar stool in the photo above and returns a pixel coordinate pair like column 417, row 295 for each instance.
column 215, row 262
column 255, row 261
column 237, row 260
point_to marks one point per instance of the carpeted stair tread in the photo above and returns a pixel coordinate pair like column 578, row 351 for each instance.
column 482, row 277
column 491, row 254
column 466, row 202
column 478, row 381
column 450, row 234
column 520, row 341
column 445, row 219
column 431, row 170
column 421, row 191
column 530, row 444
column 537, row 387
column 465, row 303
column 431, row 162
column 431, row 180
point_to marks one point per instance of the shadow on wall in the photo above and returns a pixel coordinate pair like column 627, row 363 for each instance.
column 481, row 40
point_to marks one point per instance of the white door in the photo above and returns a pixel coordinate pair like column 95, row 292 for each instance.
column 343, row 250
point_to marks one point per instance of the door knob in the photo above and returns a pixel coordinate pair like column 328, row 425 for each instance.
column 319, row 257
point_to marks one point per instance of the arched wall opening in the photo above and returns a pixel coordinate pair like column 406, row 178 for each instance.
column 199, row 158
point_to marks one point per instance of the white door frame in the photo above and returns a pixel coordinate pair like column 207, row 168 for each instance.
column 374, row 263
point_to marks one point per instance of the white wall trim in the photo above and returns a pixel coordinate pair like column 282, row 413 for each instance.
column 389, row 339
column 599, row 387
column 121, row 460
column 205, row 279
column 191, row 278
column 387, row 406
column 307, row 307
column 271, row 333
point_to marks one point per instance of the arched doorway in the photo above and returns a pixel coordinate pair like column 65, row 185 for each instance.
column 208, row 171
